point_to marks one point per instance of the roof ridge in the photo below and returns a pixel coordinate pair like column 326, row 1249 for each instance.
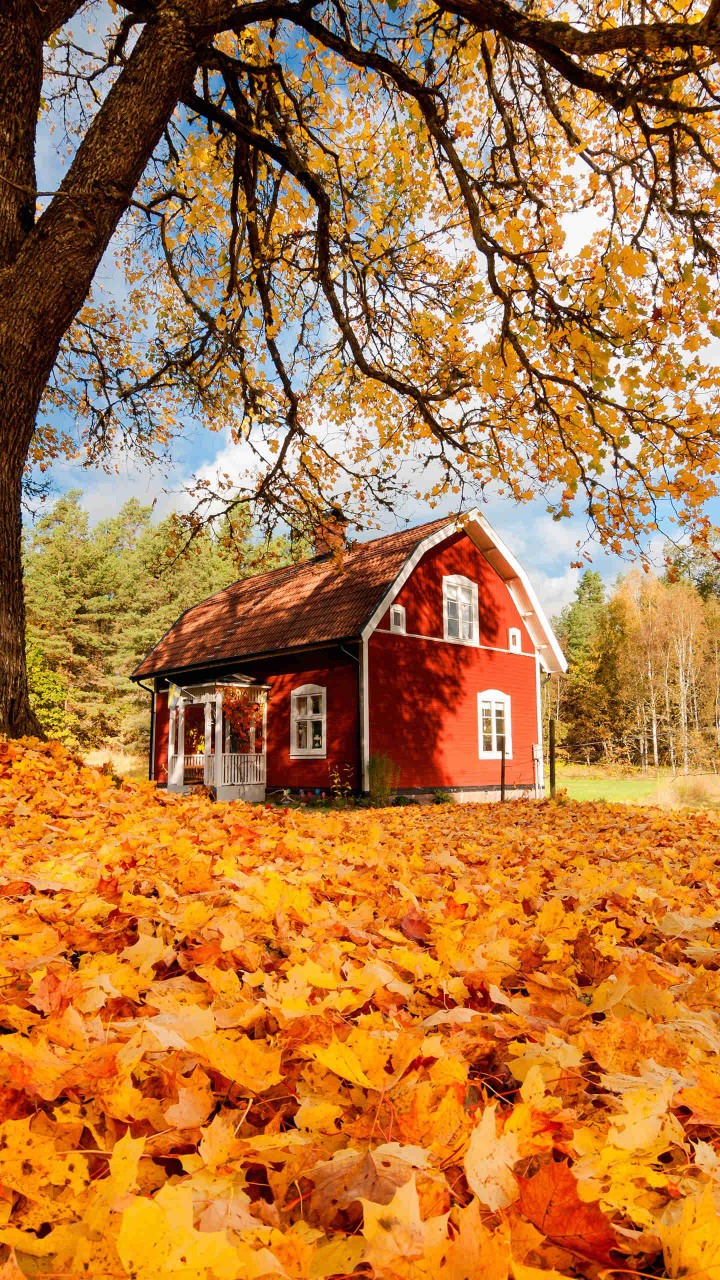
column 311, row 583
column 303, row 564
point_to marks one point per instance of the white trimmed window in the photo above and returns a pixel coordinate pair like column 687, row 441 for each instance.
column 308, row 721
column 494, row 725
column 397, row 618
column 515, row 640
column 460, row 610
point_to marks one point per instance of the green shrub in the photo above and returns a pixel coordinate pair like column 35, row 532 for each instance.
column 49, row 698
column 442, row 797
column 383, row 777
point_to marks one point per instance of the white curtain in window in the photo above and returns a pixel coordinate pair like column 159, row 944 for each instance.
column 494, row 726
column 308, row 721
column 460, row 601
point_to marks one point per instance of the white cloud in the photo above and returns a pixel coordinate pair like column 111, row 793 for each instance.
column 104, row 493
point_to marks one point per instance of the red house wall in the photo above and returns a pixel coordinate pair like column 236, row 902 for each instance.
column 338, row 674
column 423, row 690
column 339, row 677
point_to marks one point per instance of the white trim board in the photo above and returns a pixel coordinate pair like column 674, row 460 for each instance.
column 489, row 648
column 365, row 715
column 522, row 593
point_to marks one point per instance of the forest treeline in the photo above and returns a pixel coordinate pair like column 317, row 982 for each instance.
column 643, row 682
column 99, row 597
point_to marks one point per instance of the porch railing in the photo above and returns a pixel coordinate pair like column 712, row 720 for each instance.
column 243, row 769
column 238, row 769
column 193, row 768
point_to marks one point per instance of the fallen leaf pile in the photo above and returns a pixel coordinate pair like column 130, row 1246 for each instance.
column 451, row 1042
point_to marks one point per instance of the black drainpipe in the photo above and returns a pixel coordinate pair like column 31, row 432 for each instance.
column 361, row 744
column 144, row 687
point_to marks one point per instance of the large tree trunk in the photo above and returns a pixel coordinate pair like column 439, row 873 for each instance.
column 17, row 718
column 46, row 269
column 21, row 68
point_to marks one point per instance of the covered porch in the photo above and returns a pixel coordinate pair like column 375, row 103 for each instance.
column 217, row 738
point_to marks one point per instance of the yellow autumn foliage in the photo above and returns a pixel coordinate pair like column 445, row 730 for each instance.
column 245, row 1042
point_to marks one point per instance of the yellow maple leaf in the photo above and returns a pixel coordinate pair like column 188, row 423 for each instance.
column 123, row 1165
column 157, row 1237
column 194, row 1104
column 489, row 1161
column 395, row 1233
column 253, row 1064
column 476, row 1250
column 690, row 1236
column 342, row 1061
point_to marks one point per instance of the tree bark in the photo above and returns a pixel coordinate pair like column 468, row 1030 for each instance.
column 47, row 267
column 17, row 719
column 21, row 69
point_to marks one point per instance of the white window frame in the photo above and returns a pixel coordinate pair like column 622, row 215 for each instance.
column 457, row 580
column 515, row 640
column 397, row 619
column 496, row 698
column 307, row 691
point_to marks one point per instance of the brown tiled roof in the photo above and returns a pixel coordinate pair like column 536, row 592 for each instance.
column 297, row 605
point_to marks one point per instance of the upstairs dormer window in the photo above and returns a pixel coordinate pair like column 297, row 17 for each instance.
column 308, row 721
column 460, row 610
column 397, row 619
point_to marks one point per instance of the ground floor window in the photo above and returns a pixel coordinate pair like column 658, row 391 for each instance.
column 494, row 725
column 308, row 720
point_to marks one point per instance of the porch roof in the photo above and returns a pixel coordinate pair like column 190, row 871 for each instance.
column 297, row 605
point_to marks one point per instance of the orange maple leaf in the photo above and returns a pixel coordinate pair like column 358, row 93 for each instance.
column 551, row 1202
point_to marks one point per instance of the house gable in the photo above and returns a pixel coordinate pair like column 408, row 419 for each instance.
column 421, row 596
column 426, row 691
column 488, row 542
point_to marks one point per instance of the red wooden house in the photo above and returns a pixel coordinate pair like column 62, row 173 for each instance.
column 425, row 647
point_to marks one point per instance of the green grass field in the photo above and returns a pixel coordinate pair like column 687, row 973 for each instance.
column 697, row 791
column 616, row 790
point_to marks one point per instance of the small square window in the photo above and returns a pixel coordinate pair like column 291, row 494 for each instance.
column 397, row 619
column 515, row 640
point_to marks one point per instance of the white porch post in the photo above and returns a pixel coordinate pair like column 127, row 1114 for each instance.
column 180, row 757
column 264, row 697
column 218, row 740
column 207, row 770
column 171, row 746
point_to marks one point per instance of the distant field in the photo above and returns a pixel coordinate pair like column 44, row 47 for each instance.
column 122, row 762
column 625, row 790
column 695, row 791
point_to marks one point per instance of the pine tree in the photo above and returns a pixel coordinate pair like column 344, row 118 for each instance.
column 100, row 598
column 578, row 629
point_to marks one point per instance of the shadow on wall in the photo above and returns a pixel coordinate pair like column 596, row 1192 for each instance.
column 424, row 696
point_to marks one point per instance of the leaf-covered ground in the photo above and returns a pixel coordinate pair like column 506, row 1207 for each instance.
column 454, row 1042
